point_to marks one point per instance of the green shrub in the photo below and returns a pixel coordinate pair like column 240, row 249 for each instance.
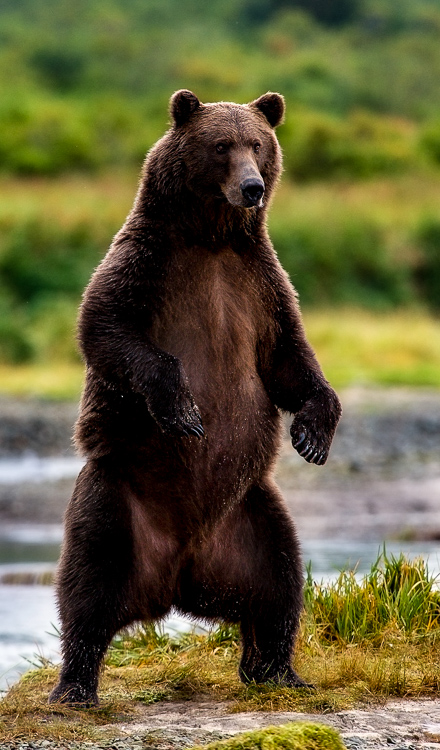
column 340, row 259
column 430, row 141
column 427, row 273
column 318, row 146
column 44, row 137
column 44, row 268
column 15, row 344
column 49, row 136
column 38, row 258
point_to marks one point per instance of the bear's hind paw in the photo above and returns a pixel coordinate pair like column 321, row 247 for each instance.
column 74, row 694
column 291, row 679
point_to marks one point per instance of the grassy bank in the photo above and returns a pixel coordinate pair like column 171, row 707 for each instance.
column 361, row 642
column 354, row 347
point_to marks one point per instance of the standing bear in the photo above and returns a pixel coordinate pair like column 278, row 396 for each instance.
column 194, row 345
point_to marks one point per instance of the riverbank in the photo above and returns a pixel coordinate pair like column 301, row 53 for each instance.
column 170, row 693
column 382, row 479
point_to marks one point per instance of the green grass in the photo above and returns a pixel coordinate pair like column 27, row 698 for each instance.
column 392, row 348
column 51, row 380
column 361, row 643
column 396, row 599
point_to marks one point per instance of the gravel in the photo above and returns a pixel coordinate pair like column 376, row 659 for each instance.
column 399, row 725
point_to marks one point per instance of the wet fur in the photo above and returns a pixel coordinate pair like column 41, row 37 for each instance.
column 193, row 341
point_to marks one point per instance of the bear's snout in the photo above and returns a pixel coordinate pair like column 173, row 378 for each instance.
column 252, row 191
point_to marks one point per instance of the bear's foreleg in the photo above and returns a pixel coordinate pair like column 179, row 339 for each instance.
column 297, row 385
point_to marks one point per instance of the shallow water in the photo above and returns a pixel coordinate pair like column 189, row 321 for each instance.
column 32, row 468
column 28, row 615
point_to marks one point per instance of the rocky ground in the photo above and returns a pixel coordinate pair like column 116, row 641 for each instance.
column 382, row 479
column 399, row 725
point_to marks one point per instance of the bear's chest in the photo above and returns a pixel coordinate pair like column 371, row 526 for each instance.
column 212, row 317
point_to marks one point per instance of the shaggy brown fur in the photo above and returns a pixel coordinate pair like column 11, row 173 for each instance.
column 193, row 341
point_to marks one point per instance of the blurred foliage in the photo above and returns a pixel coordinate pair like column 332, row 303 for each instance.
column 85, row 91
column 359, row 146
column 88, row 87
column 428, row 270
column 339, row 249
column 344, row 261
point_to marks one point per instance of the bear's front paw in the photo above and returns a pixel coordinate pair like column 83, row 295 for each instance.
column 308, row 444
column 170, row 401
column 183, row 422
column 313, row 428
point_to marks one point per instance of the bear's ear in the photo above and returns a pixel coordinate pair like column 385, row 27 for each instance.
column 182, row 104
column 272, row 107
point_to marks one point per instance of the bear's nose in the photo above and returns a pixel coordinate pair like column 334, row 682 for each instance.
column 252, row 190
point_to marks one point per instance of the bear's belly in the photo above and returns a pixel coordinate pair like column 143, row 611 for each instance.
column 194, row 481
column 241, row 424
column 212, row 323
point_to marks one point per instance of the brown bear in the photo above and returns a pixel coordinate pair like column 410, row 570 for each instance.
column 194, row 345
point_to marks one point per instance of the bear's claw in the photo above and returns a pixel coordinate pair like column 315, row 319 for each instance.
column 197, row 430
column 181, row 428
column 302, row 437
column 309, row 446
column 314, row 426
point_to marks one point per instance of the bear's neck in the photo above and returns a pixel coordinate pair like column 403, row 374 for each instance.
column 211, row 221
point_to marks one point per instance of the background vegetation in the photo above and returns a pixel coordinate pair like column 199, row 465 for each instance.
column 356, row 222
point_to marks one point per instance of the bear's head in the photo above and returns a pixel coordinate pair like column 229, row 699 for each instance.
column 226, row 151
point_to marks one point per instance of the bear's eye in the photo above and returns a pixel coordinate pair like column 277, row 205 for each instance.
column 221, row 148
column 257, row 147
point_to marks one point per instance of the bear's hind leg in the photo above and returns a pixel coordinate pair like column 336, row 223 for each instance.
column 250, row 571
column 270, row 618
column 94, row 579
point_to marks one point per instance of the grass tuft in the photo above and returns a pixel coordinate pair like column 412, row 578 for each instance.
column 397, row 599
